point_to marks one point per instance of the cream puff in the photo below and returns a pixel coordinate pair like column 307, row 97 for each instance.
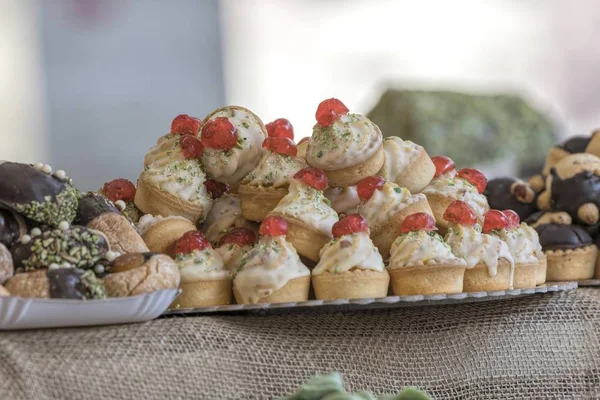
column 160, row 234
column 226, row 213
column 406, row 164
column 421, row 262
column 385, row 205
column 234, row 245
column 272, row 271
column 347, row 146
column 350, row 266
column 57, row 283
column 531, row 234
column 344, row 201
column 308, row 213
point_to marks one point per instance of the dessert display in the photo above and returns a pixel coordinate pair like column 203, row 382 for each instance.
column 350, row 266
column 122, row 193
column 234, row 245
column 225, row 213
column 160, row 234
column 347, row 146
column 406, row 164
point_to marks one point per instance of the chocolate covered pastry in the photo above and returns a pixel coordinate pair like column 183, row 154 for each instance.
column 12, row 227
column 57, row 283
column 511, row 194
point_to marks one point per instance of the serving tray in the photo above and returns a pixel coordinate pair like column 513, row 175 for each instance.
column 372, row 303
column 589, row 282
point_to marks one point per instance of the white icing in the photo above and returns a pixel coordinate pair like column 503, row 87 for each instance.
column 522, row 249
column 343, row 200
column 147, row 221
column 422, row 248
column 274, row 170
column 459, row 189
column 398, row 155
column 224, row 214
column 347, row 252
column 232, row 255
column 266, row 268
column 531, row 234
column 201, row 265
column 348, row 141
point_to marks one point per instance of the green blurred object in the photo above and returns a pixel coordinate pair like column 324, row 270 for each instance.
column 470, row 129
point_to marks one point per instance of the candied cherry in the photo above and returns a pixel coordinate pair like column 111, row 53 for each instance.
column 513, row 218
column 241, row 236
column 190, row 241
column 313, row 177
column 442, row 164
column 418, row 222
column 119, row 189
column 191, row 147
column 304, row 139
column 329, row 110
column 495, row 219
column 459, row 212
column 273, row 226
column 353, row 223
column 216, row 189
column 281, row 127
column 367, row 186
column 218, row 134
column 183, row 124
column 280, row 145
column 473, row 176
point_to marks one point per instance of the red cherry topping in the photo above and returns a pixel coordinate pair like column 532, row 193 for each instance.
column 418, row 222
column 304, row 139
column 273, row 226
column 281, row 127
column 280, row 145
column 119, row 189
column 353, row 223
column 493, row 220
column 513, row 218
column 473, row 176
column 460, row 213
column 329, row 110
column 218, row 134
column 367, row 186
column 191, row 147
column 216, row 189
column 190, row 241
column 313, row 177
column 185, row 125
column 241, row 236
column 442, row 164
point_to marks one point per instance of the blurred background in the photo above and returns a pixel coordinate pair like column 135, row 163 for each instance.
column 88, row 85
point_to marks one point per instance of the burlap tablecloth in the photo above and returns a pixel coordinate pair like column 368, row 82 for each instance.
column 543, row 346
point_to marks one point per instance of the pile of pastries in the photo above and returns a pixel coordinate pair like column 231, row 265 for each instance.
column 229, row 209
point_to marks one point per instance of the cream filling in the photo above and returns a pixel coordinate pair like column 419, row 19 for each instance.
column 201, row 265
column 522, row 249
column 421, row 248
column 224, row 214
column 459, row 189
column 274, row 170
column 399, row 154
column 147, row 221
column 531, row 234
column 348, row 252
column 343, row 200
column 232, row 255
column 266, row 268
column 348, row 141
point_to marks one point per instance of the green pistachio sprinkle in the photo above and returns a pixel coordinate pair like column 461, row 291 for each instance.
column 52, row 211
column 94, row 285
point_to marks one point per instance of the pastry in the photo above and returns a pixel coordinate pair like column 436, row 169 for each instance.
column 29, row 284
column 98, row 213
column 421, row 262
column 406, row 164
column 308, row 213
column 160, row 234
column 385, row 205
column 509, row 193
column 302, row 146
column 272, row 271
column 490, row 264
column 233, row 245
column 593, row 144
column 348, row 147
column 204, row 280
column 138, row 273
column 232, row 137
column 122, row 193
column 574, row 145
column 173, row 180
column 531, row 234
column 344, row 200
column 38, row 194
column 7, row 268
column 268, row 183
column 12, row 227
column 4, row 292
column 57, row 283
column 226, row 213
column 350, row 266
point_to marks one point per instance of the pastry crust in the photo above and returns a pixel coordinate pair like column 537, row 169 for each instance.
column 593, row 146
column 7, row 268
column 152, row 200
column 257, row 202
column 478, row 279
column 571, row 264
column 541, row 270
column 294, row 291
column 418, row 174
column 158, row 273
column 4, row 292
column 163, row 234
column 353, row 284
column 383, row 237
column 307, row 240
column 29, row 284
column 439, row 203
column 555, row 154
column 427, row 279
column 121, row 235
column 525, row 275
column 204, row 294
column 352, row 175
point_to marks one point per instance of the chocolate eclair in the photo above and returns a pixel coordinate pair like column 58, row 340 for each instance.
column 57, row 283
column 7, row 268
column 12, row 227
column 509, row 193
column 98, row 213
column 37, row 194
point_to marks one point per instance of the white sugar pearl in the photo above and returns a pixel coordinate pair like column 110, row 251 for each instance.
column 99, row 268
column 25, row 239
column 54, row 266
column 47, row 169
column 36, row 232
column 38, row 166
column 66, row 265
column 60, row 174
column 120, row 205
column 111, row 255
column 63, row 225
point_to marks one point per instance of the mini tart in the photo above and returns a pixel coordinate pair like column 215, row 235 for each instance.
column 172, row 184
column 350, row 267
column 267, row 184
column 490, row 264
column 309, row 217
column 232, row 255
column 60, row 283
column 542, row 268
column 6, row 264
column 204, row 280
column 271, row 273
column 343, row 200
column 422, row 263
column 231, row 166
column 524, row 253
column 160, row 234
column 386, row 210
column 225, row 214
column 347, row 150
column 139, row 273
column 407, row 164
